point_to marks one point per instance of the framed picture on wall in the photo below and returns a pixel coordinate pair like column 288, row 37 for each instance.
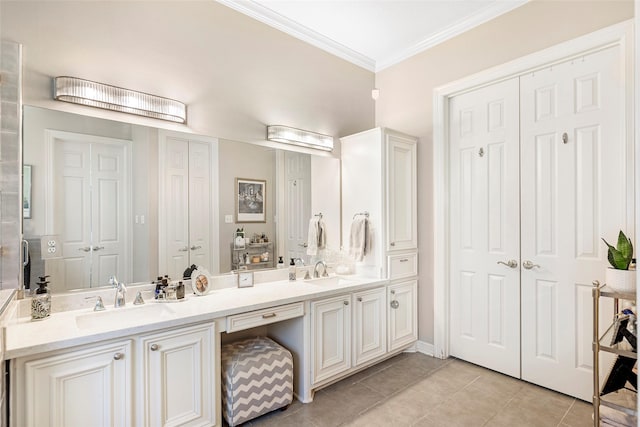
column 251, row 200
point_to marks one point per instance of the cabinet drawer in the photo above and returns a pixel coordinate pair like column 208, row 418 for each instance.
column 239, row 322
column 405, row 265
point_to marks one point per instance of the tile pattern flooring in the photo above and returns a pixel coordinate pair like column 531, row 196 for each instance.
column 412, row 389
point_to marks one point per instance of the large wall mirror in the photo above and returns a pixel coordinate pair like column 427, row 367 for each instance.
column 114, row 198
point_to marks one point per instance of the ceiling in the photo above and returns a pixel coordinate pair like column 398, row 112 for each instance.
column 373, row 34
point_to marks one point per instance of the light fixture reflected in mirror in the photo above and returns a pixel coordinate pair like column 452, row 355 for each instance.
column 304, row 138
column 93, row 94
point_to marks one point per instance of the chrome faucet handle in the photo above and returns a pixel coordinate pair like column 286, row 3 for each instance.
column 325, row 273
column 307, row 276
column 113, row 281
column 139, row 300
column 99, row 304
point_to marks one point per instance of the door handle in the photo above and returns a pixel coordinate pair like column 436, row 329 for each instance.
column 528, row 265
column 85, row 249
column 304, row 245
column 183, row 249
column 512, row 263
column 97, row 248
column 194, row 247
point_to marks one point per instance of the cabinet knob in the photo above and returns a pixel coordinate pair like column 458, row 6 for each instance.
column 154, row 347
column 359, row 299
column 346, row 302
column 393, row 292
column 392, row 244
column 118, row 356
column 395, row 304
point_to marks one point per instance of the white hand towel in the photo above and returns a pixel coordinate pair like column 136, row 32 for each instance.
column 312, row 237
column 322, row 234
column 360, row 238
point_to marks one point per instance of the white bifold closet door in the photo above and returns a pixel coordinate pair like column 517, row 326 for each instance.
column 485, row 227
column 543, row 191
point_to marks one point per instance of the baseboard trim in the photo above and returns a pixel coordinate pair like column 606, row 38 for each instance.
column 425, row 348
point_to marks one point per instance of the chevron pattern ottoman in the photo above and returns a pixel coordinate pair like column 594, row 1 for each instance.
column 257, row 377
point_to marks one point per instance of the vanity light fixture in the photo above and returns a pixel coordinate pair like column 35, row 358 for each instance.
column 304, row 138
column 93, row 94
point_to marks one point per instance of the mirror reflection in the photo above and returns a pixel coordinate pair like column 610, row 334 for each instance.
column 112, row 198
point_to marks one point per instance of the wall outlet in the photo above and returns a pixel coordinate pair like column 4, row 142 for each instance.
column 50, row 247
column 228, row 219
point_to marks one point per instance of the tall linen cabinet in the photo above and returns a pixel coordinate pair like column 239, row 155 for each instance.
column 379, row 179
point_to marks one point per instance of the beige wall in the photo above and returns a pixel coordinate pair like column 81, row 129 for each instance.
column 238, row 160
column 406, row 91
column 235, row 74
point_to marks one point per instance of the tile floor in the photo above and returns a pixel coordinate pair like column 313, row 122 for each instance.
column 412, row 389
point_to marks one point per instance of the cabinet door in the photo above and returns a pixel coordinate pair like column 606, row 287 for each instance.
column 401, row 192
column 331, row 340
column 369, row 325
column 403, row 314
column 89, row 387
column 179, row 377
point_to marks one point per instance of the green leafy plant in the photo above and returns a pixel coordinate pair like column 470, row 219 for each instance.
column 620, row 256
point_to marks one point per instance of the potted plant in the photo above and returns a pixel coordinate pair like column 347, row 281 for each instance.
column 618, row 276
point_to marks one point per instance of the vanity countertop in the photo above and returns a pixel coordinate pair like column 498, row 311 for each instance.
column 24, row 337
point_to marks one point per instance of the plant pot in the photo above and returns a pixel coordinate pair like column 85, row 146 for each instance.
column 621, row 280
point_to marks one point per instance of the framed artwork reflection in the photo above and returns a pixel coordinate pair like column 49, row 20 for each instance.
column 251, row 200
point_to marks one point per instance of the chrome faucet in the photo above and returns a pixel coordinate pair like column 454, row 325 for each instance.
column 121, row 290
column 324, row 269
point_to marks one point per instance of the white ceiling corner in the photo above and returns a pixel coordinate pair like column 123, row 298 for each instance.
column 373, row 34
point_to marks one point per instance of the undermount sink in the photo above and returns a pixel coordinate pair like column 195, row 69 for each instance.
column 122, row 317
column 329, row 281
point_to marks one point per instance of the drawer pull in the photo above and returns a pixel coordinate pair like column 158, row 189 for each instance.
column 392, row 244
column 268, row 315
column 346, row 302
column 393, row 292
column 359, row 299
column 118, row 356
column 154, row 347
column 404, row 260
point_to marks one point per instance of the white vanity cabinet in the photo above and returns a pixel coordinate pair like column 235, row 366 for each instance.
column 330, row 337
column 169, row 380
column 347, row 331
column 178, row 371
column 88, row 387
column 379, row 176
column 369, row 325
column 402, row 313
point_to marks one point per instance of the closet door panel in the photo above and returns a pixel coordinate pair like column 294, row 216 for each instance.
column 485, row 295
column 573, row 193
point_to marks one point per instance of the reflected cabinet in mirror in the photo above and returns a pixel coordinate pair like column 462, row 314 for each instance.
column 116, row 199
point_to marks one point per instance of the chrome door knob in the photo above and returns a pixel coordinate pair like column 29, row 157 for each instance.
column 528, row 265
column 512, row 263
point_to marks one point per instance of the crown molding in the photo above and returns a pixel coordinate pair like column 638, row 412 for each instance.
column 284, row 24
column 263, row 14
column 485, row 15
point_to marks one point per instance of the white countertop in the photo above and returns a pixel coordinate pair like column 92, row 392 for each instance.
column 24, row 337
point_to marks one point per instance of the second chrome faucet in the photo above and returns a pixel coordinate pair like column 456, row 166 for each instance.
column 121, row 291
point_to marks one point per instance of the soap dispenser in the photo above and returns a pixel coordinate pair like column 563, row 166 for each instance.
column 41, row 301
column 292, row 270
